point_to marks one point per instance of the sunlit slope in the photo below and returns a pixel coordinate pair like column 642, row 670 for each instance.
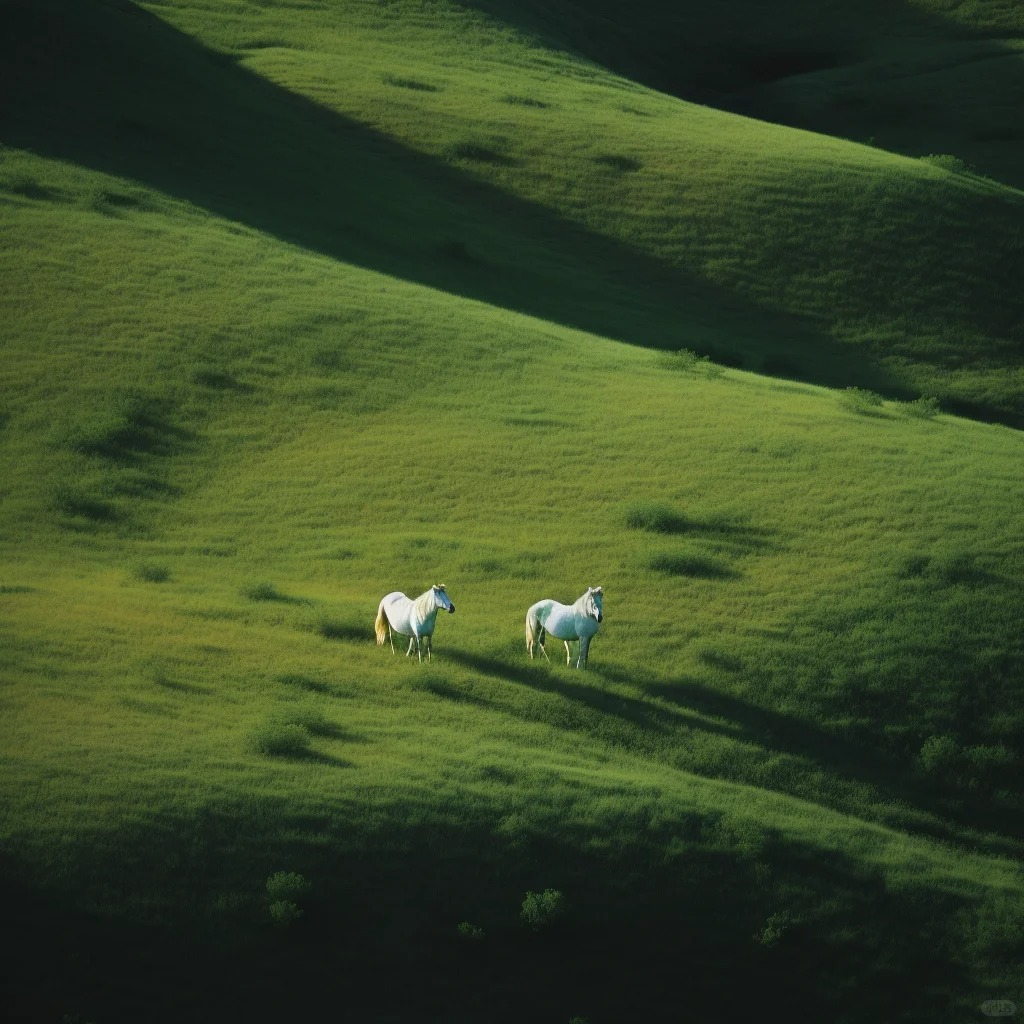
column 220, row 450
column 917, row 77
column 448, row 149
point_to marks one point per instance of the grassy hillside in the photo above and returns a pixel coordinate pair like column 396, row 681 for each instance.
column 249, row 389
column 441, row 147
column 917, row 77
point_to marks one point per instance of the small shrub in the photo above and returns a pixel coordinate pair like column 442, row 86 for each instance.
column 152, row 572
column 280, row 739
column 861, row 400
column 774, row 929
column 541, row 909
column 947, row 162
column 655, row 517
column 685, row 360
column 287, row 885
column 470, row 932
column 284, row 913
column 939, row 756
column 923, row 408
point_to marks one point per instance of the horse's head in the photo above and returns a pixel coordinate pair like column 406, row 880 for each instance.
column 593, row 606
column 442, row 598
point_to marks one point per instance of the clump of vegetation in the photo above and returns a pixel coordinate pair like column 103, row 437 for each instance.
column 470, row 932
column 948, row 162
column 310, row 718
column 541, row 909
column 775, row 928
column 263, row 591
column 280, row 739
column 284, row 888
column 685, row 360
column 287, row 885
column 655, row 517
column 923, row 408
column 861, row 400
column 284, row 913
column 152, row 572
column 689, row 564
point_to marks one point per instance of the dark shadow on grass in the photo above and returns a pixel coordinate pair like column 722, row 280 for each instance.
column 269, row 592
column 194, row 124
column 694, row 566
column 379, row 920
column 558, row 679
column 309, row 685
column 166, row 683
column 845, row 758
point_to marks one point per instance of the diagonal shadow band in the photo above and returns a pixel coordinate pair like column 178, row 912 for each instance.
column 107, row 85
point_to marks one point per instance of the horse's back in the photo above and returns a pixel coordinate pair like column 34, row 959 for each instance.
column 558, row 619
column 397, row 607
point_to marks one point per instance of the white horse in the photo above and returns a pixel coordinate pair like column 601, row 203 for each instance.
column 414, row 619
column 565, row 622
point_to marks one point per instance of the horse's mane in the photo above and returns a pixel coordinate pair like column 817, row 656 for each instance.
column 422, row 604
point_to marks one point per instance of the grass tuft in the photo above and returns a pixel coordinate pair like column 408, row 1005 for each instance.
column 656, row 517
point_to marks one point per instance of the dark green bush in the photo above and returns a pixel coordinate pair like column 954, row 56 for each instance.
column 470, row 932
column 287, row 885
column 541, row 909
column 284, row 913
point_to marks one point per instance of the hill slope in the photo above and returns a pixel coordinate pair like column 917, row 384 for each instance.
column 228, row 426
column 448, row 150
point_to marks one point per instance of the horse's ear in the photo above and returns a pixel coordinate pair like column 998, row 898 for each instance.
column 597, row 590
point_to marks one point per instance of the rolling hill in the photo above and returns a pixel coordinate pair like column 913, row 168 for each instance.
column 304, row 303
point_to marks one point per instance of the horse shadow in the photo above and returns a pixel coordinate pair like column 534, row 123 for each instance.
column 630, row 710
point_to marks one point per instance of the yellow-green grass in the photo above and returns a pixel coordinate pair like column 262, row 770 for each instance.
column 445, row 147
column 793, row 762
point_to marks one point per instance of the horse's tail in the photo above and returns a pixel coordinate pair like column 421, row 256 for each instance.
column 532, row 630
column 381, row 626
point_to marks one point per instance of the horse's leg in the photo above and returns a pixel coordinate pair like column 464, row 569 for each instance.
column 568, row 652
column 392, row 639
column 429, row 645
column 581, row 661
column 419, row 650
column 412, row 640
column 540, row 641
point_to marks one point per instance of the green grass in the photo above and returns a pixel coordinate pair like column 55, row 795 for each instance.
column 329, row 351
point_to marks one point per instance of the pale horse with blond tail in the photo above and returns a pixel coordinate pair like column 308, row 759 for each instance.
column 566, row 622
column 414, row 619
